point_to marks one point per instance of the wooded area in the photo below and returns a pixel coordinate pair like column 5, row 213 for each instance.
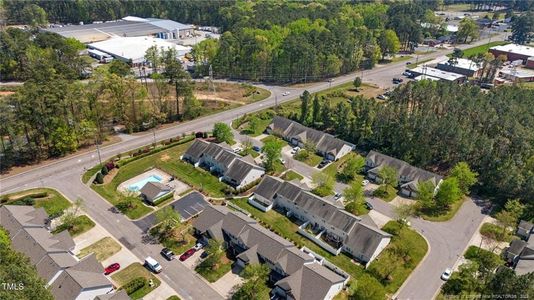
column 435, row 125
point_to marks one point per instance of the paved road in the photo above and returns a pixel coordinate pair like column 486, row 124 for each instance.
column 64, row 175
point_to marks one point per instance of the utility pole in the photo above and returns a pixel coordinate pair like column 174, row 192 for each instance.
column 211, row 86
column 98, row 152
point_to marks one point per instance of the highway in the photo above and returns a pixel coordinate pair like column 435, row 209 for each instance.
column 64, row 175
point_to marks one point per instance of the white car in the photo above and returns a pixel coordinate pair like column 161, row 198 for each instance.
column 365, row 182
column 285, row 93
column 283, row 161
column 198, row 246
column 153, row 265
column 446, row 274
column 237, row 150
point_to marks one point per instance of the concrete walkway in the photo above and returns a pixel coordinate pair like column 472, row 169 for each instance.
column 226, row 284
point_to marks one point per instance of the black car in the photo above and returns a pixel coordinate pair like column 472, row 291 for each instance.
column 369, row 206
column 256, row 148
column 167, row 253
column 322, row 164
column 204, row 255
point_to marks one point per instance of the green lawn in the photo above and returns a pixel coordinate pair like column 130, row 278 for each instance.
column 260, row 128
column 89, row 173
column 224, row 266
column 311, row 159
column 250, row 152
column 442, row 217
column 385, row 192
column 133, row 271
column 496, row 232
column 103, row 249
column 481, row 49
column 406, row 249
column 473, row 253
column 81, row 224
column 169, row 161
column 51, row 200
column 273, row 138
column 334, row 168
column 184, row 239
column 173, row 297
column 292, row 175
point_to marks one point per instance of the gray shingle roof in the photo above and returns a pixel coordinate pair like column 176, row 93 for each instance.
column 235, row 222
column 239, row 170
column 196, row 149
column 403, row 168
column 268, row 187
column 52, row 263
column 211, row 219
column 270, row 245
column 526, row 226
column 516, row 247
column 152, row 190
column 364, row 239
column 311, row 282
column 37, row 242
column 323, row 142
column 118, row 295
column 15, row 217
column 291, row 260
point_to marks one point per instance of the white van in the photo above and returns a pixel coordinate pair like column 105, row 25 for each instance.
column 153, row 265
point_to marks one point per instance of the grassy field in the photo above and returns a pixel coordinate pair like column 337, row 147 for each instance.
column 182, row 240
column 51, row 200
column 420, row 62
column 481, row 49
column 444, row 216
column 496, row 232
column 334, row 168
column 385, row 192
column 103, row 249
column 311, row 160
column 169, row 161
column 133, row 271
column 81, row 224
column 393, row 266
column 474, row 253
column 292, row 175
column 89, row 173
column 224, row 266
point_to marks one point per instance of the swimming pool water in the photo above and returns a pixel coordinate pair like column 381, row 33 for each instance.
column 138, row 185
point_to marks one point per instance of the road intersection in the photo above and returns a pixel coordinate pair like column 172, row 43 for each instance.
column 447, row 239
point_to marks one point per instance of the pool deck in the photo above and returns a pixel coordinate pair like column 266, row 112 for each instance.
column 123, row 187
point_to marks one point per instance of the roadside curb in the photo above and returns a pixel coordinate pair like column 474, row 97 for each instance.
column 417, row 267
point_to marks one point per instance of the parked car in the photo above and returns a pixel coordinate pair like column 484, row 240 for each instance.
column 446, row 274
column 285, row 93
column 111, row 268
column 406, row 73
column 283, row 161
column 204, row 254
column 322, row 164
column 397, row 80
column 408, row 63
column 238, row 149
column 198, row 246
column 167, row 253
column 337, row 195
column 153, row 265
column 382, row 97
column 256, row 148
column 187, row 254
column 365, row 182
column 369, row 205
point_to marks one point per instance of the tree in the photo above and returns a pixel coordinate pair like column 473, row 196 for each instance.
column 456, row 54
column 273, row 152
column 403, row 212
column 223, row 133
column 354, row 192
column 468, row 29
column 324, row 184
column 316, row 109
column 305, row 99
column 448, row 193
column 506, row 282
column 466, row 177
column 388, row 176
column 509, row 216
column 523, row 28
column 119, row 67
column 425, row 193
column 357, row 82
column 167, row 220
column 255, row 285
column 366, row 287
column 99, row 178
column 465, row 281
column 352, row 167
column 34, row 15
column 389, row 43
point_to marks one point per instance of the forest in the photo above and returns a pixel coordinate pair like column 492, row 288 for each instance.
column 54, row 114
column 435, row 125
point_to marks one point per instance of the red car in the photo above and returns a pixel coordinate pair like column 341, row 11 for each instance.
column 187, row 254
column 111, row 268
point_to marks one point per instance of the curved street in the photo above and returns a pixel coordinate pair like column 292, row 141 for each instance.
column 447, row 240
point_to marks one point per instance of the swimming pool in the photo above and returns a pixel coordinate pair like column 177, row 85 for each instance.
column 138, row 185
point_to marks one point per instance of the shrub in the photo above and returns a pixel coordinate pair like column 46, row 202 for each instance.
column 39, row 195
column 99, row 178
column 135, row 284
column 26, row 201
column 110, row 165
column 205, row 135
column 104, row 170
column 3, row 199
column 199, row 134
column 495, row 232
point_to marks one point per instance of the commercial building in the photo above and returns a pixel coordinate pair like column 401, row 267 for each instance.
column 133, row 49
column 438, row 74
column 327, row 225
column 409, row 176
column 297, row 134
column 516, row 74
column 220, row 160
column 513, row 52
column 461, row 66
column 294, row 274
column 126, row 27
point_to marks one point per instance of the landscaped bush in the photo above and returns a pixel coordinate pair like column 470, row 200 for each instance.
column 110, row 165
column 104, row 170
column 495, row 232
column 385, row 192
column 478, row 254
column 99, row 178
column 25, row 201
column 135, row 284
column 140, row 154
column 302, row 155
